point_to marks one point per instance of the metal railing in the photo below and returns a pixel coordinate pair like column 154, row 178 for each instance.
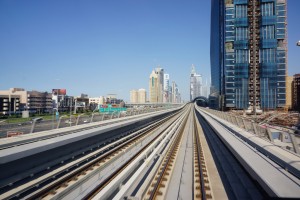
column 67, row 121
column 281, row 136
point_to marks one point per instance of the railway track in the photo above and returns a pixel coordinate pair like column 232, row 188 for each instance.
column 93, row 194
column 176, row 167
column 39, row 185
column 140, row 161
column 165, row 170
column 182, row 156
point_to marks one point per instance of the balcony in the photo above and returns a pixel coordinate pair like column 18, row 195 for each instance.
column 241, row 1
column 241, row 22
column 241, row 44
column 268, row 43
column 268, row 20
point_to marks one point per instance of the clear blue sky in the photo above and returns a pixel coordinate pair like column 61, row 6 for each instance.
column 99, row 47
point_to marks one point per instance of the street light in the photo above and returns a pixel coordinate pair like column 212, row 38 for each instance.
column 53, row 116
column 96, row 109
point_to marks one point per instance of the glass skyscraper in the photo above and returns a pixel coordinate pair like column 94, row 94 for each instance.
column 195, row 84
column 248, row 53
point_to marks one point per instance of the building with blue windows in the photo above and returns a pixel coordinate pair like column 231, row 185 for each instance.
column 248, row 54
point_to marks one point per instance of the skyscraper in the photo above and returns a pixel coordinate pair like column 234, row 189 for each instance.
column 175, row 93
column 248, row 53
column 195, row 84
column 166, row 97
column 156, row 86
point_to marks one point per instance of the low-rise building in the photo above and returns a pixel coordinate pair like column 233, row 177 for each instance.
column 15, row 100
column 95, row 102
column 39, row 102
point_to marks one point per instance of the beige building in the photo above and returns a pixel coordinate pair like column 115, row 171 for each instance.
column 288, row 92
column 142, row 95
column 96, row 100
column 138, row 96
column 156, row 83
column 13, row 100
column 20, row 92
column 18, row 99
column 133, row 96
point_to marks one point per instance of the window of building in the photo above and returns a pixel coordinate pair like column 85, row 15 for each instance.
column 241, row 33
column 268, row 32
column 241, row 56
column 267, row 9
column 241, row 11
column 267, row 55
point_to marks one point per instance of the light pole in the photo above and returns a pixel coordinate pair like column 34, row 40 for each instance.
column 53, row 116
column 71, row 103
column 75, row 108
column 93, row 113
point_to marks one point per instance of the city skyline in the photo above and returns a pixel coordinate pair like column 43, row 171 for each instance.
column 98, row 47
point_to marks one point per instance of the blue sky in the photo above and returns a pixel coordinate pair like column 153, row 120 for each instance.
column 99, row 47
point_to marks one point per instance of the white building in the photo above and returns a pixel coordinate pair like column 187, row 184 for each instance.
column 195, row 84
column 166, row 97
column 96, row 100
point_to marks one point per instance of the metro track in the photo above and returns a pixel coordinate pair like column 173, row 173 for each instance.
column 73, row 167
column 185, row 155
column 160, row 170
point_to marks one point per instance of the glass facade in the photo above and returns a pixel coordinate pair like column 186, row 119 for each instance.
column 217, row 52
column 230, row 52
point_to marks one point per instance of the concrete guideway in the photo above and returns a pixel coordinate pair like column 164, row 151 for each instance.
column 25, row 145
column 67, row 167
column 186, row 154
column 132, row 177
column 285, row 158
column 273, row 178
column 217, row 185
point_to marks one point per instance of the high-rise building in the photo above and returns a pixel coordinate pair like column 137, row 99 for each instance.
column 156, row 82
column 142, row 95
column 248, row 53
column 133, row 96
column 296, row 92
column 166, row 97
column 205, row 89
column 176, row 97
column 195, row 84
